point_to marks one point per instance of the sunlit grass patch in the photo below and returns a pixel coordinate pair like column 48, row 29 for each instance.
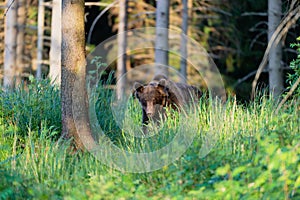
column 236, row 151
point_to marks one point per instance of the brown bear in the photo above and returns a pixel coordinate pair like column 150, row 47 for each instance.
column 161, row 93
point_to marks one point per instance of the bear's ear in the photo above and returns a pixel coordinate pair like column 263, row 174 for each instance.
column 159, row 77
column 162, row 82
column 163, row 88
column 137, row 88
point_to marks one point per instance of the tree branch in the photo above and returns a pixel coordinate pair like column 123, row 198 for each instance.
column 97, row 18
column 254, row 14
column 100, row 4
column 293, row 88
column 280, row 31
column 9, row 6
column 240, row 80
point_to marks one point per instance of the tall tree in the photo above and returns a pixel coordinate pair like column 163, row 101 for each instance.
column 162, row 37
column 275, row 55
column 55, row 48
column 73, row 85
column 40, row 39
column 288, row 21
column 10, row 44
column 183, row 42
column 122, row 44
column 21, row 20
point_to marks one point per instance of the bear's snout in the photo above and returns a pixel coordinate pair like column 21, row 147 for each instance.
column 150, row 109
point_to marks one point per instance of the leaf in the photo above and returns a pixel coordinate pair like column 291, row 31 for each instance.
column 238, row 170
column 222, row 171
column 297, row 182
column 261, row 179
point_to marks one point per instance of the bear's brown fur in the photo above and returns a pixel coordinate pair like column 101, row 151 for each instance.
column 161, row 93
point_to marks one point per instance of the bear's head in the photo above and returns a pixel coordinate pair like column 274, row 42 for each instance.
column 152, row 97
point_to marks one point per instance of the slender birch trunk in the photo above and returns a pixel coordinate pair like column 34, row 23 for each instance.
column 55, row 48
column 122, row 44
column 10, row 45
column 21, row 19
column 183, row 42
column 40, row 40
column 162, row 37
column 275, row 56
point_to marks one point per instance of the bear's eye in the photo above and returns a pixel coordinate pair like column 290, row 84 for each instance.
column 144, row 103
column 157, row 101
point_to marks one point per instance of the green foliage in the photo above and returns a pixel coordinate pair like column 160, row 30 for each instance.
column 30, row 105
column 295, row 66
column 97, row 60
column 103, row 97
column 272, row 173
column 12, row 186
column 255, row 154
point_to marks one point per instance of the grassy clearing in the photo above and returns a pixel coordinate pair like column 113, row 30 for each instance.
column 256, row 154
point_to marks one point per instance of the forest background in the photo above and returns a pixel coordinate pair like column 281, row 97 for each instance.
column 234, row 33
column 241, row 148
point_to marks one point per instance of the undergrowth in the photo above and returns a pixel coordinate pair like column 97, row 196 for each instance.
column 238, row 152
column 30, row 105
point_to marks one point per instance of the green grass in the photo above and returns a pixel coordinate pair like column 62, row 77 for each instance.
column 256, row 154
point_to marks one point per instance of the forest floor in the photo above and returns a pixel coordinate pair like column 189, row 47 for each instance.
column 254, row 152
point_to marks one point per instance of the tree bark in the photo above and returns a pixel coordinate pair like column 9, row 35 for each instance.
column 10, row 45
column 55, row 48
column 122, row 44
column 73, row 85
column 275, row 55
column 162, row 38
column 21, row 19
column 183, row 42
column 40, row 40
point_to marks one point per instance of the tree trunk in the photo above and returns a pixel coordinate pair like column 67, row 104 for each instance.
column 10, row 45
column 162, row 38
column 275, row 56
column 40, row 40
column 183, row 42
column 73, row 85
column 122, row 44
column 55, row 48
column 21, row 19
